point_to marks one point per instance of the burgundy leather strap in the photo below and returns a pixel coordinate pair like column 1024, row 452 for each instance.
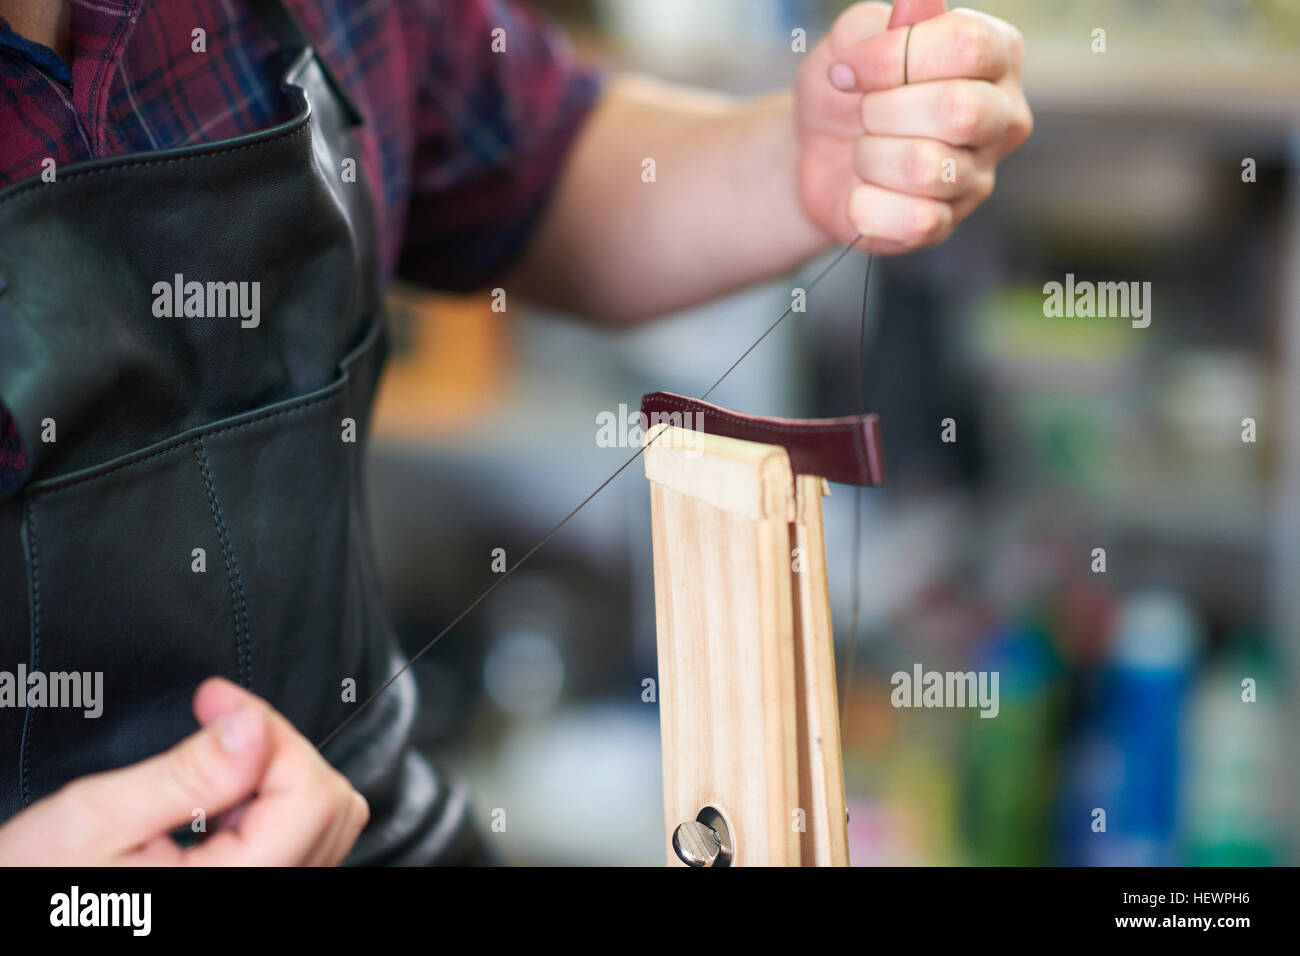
column 846, row 450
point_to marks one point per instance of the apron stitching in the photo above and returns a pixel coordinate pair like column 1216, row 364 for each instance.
column 34, row 188
column 232, row 568
column 176, row 445
column 34, row 562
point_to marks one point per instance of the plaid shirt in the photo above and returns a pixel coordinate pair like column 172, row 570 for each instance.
column 461, row 143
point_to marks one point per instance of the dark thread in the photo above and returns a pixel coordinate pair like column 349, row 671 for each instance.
column 565, row 520
column 335, row 389
column 35, row 563
column 856, row 581
column 907, row 43
column 236, row 580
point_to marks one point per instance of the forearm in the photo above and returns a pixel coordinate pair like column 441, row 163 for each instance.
column 722, row 211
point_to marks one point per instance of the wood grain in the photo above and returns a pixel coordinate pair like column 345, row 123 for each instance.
column 746, row 665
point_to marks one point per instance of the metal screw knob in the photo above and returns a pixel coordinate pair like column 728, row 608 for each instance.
column 697, row 844
column 705, row 841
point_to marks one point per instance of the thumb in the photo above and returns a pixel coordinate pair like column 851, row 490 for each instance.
column 908, row 12
column 880, row 62
column 213, row 770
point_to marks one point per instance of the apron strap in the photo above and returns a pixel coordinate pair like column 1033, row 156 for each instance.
column 279, row 19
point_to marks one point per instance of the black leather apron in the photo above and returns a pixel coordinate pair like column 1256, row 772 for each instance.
column 189, row 432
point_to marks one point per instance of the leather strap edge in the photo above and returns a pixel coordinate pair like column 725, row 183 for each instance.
column 846, row 450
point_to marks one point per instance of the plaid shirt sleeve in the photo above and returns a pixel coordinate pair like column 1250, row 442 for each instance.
column 500, row 100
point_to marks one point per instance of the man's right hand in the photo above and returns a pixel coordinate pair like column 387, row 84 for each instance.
column 269, row 797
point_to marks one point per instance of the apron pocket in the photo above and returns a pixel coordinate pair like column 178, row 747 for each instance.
column 236, row 549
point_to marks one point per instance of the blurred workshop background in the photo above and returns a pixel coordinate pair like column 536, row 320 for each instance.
column 1120, row 689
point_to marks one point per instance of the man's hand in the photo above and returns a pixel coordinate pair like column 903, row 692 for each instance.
column 747, row 190
column 901, row 165
column 269, row 797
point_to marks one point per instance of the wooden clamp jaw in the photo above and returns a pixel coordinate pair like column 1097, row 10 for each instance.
column 747, row 698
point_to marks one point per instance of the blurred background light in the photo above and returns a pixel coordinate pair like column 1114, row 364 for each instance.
column 1121, row 690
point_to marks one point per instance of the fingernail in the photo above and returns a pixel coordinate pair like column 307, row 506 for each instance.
column 842, row 77
column 237, row 731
